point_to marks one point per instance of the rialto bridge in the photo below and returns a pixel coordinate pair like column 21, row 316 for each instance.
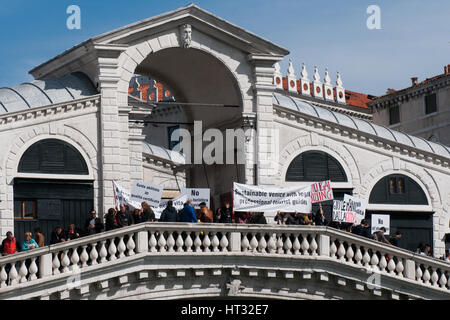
column 181, row 260
column 67, row 135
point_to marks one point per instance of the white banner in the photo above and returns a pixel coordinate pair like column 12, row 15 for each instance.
column 198, row 195
column 264, row 199
column 380, row 220
column 146, row 192
column 356, row 205
column 178, row 204
column 321, row 191
column 122, row 195
column 341, row 214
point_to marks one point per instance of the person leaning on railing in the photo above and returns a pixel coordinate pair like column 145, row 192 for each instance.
column 188, row 213
column 9, row 244
column 29, row 243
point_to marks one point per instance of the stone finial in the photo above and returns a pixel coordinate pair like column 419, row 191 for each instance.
column 327, row 77
column 304, row 73
column 316, row 74
column 291, row 70
column 186, row 35
column 277, row 68
column 339, row 80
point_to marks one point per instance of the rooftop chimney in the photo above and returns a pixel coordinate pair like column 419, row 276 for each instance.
column 445, row 70
column 414, row 81
column 448, row 69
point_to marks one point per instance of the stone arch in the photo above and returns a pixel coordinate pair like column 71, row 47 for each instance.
column 305, row 143
column 130, row 59
column 78, row 140
column 416, row 173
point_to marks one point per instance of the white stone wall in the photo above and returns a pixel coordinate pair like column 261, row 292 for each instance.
column 365, row 164
column 76, row 124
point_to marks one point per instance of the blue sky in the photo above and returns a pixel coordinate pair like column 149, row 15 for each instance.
column 414, row 39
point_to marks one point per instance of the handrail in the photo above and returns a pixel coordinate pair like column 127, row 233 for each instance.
column 180, row 238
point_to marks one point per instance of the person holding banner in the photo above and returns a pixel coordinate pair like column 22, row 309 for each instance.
column 319, row 218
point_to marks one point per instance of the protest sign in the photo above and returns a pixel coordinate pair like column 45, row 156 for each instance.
column 356, row 205
column 380, row 220
column 123, row 196
column 321, row 191
column 198, row 195
column 146, row 192
column 264, row 199
column 341, row 214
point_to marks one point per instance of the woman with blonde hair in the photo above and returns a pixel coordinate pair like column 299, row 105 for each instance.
column 29, row 243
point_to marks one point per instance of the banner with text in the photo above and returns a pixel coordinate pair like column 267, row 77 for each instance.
column 178, row 204
column 341, row 214
column 264, row 199
column 380, row 220
column 356, row 205
column 198, row 195
column 146, row 192
column 122, row 195
column 321, row 191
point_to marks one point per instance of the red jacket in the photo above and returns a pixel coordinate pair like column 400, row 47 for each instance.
column 9, row 246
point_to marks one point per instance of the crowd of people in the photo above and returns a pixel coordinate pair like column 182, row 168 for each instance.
column 123, row 217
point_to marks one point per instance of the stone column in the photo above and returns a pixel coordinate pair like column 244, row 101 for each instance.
column 265, row 144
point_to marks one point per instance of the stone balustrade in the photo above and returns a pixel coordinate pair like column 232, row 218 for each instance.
column 296, row 242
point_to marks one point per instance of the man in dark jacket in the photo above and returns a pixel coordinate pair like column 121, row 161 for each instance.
column 258, row 218
column 169, row 214
column 123, row 217
column 362, row 229
column 58, row 235
column 188, row 213
column 319, row 217
column 93, row 225
column 226, row 213
column 111, row 220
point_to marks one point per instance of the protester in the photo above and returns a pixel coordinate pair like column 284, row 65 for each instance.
column 93, row 225
column 29, row 243
column 137, row 217
column 123, row 217
column 395, row 240
column 447, row 257
column 226, row 213
column 9, row 244
column 363, row 229
column 39, row 237
column 147, row 213
column 58, row 235
column 242, row 217
column 258, row 218
column 427, row 250
column 188, row 212
column 319, row 218
column 379, row 235
column 169, row 214
column 285, row 218
column 72, row 232
column 111, row 220
column 303, row 219
column 206, row 215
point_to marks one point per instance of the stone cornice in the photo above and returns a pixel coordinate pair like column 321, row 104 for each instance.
column 48, row 110
column 362, row 137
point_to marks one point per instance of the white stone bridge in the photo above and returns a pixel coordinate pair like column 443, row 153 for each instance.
column 186, row 261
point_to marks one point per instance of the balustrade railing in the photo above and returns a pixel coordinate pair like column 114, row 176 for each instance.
column 218, row 239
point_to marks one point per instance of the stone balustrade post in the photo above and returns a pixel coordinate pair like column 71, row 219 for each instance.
column 323, row 245
column 45, row 265
column 235, row 241
column 141, row 241
column 410, row 269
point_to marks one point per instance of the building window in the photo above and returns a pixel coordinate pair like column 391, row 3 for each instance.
column 397, row 189
column 25, row 209
column 394, row 115
column 315, row 166
column 430, row 103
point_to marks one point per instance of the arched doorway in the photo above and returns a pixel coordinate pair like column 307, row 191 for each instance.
column 403, row 196
column 44, row 196
column 207, row 91
column 315, row 165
